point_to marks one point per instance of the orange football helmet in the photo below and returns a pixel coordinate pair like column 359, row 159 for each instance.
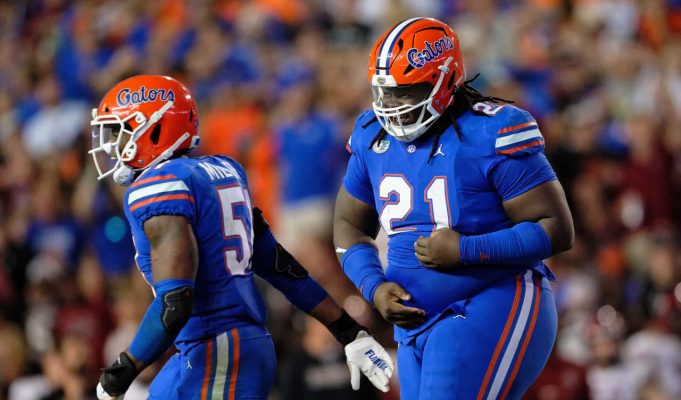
column 141, row 122
column 415, row 51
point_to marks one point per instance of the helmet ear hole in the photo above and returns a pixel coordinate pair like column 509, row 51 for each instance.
column 191, row 115
column 155, row 134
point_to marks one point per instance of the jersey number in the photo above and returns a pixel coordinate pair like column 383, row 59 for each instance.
column 238, row 232
column 398, row 209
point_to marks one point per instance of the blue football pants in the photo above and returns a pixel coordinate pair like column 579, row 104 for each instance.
column 237, row 364
column 494, row 351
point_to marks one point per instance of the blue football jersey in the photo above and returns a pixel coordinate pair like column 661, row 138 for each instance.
column 212, row 194
column 498, row 157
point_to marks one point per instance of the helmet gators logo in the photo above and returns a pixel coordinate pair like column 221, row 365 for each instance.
column 125, row 96
column 419, row 58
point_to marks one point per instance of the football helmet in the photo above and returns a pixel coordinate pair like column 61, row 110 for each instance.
column 141, row 122
column 417, row 51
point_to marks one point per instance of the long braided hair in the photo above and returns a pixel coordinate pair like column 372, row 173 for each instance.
column 466, row 96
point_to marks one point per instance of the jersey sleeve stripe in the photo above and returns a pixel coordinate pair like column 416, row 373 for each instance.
column 179, row 196
column 521, row 147
column 517, row 137
column 517, row 127
column 172, row 186
column 153, row 179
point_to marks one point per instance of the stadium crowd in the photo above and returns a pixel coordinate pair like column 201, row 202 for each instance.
column 279, row 83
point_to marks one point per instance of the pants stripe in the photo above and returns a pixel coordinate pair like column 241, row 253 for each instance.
column 221, row 367
column 209, row 368
column 526, row 341
column 235, row 363
column 517, row 334
column 502, row 340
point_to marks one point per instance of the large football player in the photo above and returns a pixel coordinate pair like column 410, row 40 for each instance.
column 471, row 206
column 198, row 243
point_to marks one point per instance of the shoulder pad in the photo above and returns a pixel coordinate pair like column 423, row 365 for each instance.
column 517, row 133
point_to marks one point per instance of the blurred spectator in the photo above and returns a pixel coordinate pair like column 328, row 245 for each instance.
column 58, row 122
column 67, row 374
column 13, row 356
column 608, row 376
column 52, row 232
column 311, row 156
column 560, row 380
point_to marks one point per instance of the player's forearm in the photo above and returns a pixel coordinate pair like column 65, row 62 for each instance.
column 524, row 243
column 165, row 317
column 327, row 311
column 280, row 269
column 337, row 321
column 361, row 264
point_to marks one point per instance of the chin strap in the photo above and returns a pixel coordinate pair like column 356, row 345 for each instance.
column 123, row 175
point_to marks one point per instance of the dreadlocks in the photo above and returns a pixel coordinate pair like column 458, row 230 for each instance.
column 465, row 98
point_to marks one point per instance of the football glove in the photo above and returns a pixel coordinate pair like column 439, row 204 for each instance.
column 367, row 356
column 116, row 379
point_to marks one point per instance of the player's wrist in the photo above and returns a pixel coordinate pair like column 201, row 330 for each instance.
column 345, row 329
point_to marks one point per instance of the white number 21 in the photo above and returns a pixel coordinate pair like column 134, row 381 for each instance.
column 398, row 209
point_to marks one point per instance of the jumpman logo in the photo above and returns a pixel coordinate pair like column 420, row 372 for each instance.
column 439, row 151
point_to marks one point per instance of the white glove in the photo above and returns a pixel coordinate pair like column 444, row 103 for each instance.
column 103, row 395
column 365, row 354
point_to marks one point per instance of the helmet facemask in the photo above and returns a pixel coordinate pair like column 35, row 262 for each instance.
column 409, row 117
column 114, row 143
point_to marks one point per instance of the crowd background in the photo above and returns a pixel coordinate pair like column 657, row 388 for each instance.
column 279, row 84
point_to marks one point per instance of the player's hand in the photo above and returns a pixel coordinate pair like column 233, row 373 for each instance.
column 440, row 250
column 116, row 379
column 367, row 356
column 387, row 299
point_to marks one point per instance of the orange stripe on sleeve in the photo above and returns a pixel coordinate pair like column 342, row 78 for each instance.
column 502, row 340
column 235, row 364
column 153, row 179
column 512, row 128
column 526, row 341
column 161, row 198
column 521, row 147
column 209, row 367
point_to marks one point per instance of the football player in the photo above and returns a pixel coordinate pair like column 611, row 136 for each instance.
column 471, row 206
column 198, row 243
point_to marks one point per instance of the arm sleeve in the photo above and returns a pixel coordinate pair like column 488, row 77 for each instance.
column 274, row 264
